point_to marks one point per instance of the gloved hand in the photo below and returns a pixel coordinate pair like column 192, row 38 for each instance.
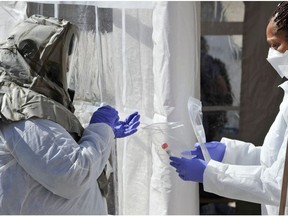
column 215, row 149
column 189, row 169
column 105, row 114
column 127, row 127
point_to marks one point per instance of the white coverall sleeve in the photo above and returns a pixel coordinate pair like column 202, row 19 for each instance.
column 47, row 152
column 254, row 183
column 241, row 153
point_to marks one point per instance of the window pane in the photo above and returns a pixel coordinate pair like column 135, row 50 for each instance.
column 225, row 52
column 220, row 124
column 220, row 84
column 222, row 11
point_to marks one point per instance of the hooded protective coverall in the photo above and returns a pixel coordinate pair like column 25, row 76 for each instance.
column 253, row 173
column 49, row 164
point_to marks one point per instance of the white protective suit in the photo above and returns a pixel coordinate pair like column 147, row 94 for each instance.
column 253, row 173
column 43, row 170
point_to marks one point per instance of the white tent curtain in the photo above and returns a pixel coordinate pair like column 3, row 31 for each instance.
column 148, row 63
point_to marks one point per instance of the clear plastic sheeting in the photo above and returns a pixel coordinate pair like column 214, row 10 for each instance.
column 195, row 113
column 138, row 57
column 160, row 133
column 159, row 177
column 11, row 13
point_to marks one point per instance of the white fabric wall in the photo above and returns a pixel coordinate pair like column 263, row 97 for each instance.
column 148, row 63
column 183, row 41
column 156, row 76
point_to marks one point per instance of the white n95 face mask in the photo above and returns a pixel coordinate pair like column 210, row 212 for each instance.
column 279, row 62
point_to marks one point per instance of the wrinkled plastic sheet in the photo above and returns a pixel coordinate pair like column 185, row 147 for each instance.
column 11, row 12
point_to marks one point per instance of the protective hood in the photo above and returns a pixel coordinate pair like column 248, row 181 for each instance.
column 33, row 68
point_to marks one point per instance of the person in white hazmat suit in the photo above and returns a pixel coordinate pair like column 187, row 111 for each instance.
column 50, row 164
column 240, row 170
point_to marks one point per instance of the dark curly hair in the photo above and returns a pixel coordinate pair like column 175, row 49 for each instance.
column 280, row 16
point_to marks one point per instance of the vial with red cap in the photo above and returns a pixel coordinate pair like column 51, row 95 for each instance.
column 165, row 147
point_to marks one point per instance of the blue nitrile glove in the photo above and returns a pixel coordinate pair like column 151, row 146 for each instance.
column 127, row 127
column 215, row 149
column 105, row 114
column 189, row 169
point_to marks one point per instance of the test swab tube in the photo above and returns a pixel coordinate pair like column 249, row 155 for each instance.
column 165, row 147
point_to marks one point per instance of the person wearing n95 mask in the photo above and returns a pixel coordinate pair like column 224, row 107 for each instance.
column 49, row 163
column 240, row 170
column 279, row 61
